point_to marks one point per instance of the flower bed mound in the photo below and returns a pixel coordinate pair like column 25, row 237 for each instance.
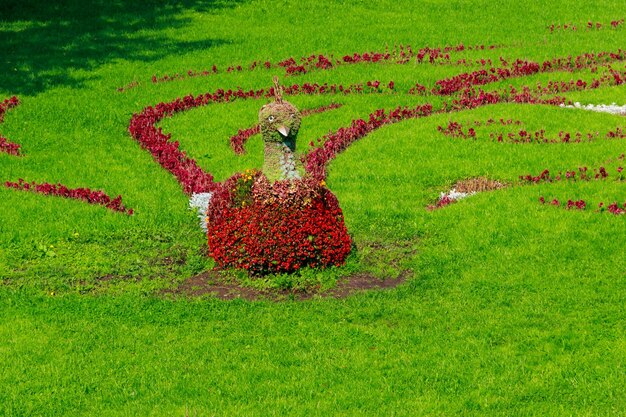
column 275, row 227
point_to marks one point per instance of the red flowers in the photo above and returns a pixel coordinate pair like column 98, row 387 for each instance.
column 582, row 174
column 613, row 208
column 84, row 194
column 6, row 105
column 6, row 145
column 456, row 130
column 334, row 143
column 275, row 228
column 237, row 141
column 522, row 68
column 588, row 26
column 9, row 147
column 168, row 154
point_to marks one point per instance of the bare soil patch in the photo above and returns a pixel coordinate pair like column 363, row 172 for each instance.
column 215, row 284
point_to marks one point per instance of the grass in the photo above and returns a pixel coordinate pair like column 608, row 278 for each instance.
column 514, row 308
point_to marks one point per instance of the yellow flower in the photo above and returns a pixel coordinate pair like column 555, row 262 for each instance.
column 323, row 183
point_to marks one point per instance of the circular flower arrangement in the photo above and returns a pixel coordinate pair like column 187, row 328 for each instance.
column 275, row 227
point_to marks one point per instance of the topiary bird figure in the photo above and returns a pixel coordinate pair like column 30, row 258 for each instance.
column 278, row 220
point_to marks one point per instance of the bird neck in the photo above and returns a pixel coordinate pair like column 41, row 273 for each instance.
column 280, row 162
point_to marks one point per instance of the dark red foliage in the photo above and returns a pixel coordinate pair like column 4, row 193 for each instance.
column 613, row 208
column 237, row 141
column 455, row 130
column 581, row 174
column 442, row 202
column 84, row 194
column 588, row 26
column 400, row 55
column 6, row 145
column 316, row 160
column 522, row 68
column 169, row 155
column 553, row 87
column 9, row 147
column 128, row 86
column 6, row 105
column 418, row 89
column 539, row 136
column 275, row 228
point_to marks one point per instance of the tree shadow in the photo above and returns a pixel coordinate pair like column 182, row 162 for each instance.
column 41, row 40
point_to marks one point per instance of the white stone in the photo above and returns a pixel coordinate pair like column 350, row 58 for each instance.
column 200, row 202
column 602, row 108
column 453, row 194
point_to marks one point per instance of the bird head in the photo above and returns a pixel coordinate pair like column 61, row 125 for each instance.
column 279, row 120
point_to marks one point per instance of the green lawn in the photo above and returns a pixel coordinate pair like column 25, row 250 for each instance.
column 512, row 307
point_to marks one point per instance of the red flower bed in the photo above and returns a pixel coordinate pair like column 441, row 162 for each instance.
column 275, row 228
column 6, row 145
column 613, row 208
column 9, row 147
column 581, row 174
column 84, row 194
column 399, row 55
column 261, row 228
column 169, row 155
column 237, row 141
column 588, row 26
column 539, row 136
column 6, row 105
column 522, row 68
column 456, row 130
column 334, row 143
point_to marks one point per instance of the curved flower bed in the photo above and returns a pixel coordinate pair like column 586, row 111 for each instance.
column 613, row 208
column 168, row 154
column 523, row 68
column 11, row 148
column 6, row 145
column 265, row 228
column 456, row 130
column 614, row 24
column 6, row 105
column 84, row 194
column 401, row 54
column 317, row 159
column 59, row 190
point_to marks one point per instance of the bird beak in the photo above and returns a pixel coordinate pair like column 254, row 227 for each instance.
column 284, row 130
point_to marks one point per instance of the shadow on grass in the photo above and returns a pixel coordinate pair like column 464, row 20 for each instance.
column 41, row 40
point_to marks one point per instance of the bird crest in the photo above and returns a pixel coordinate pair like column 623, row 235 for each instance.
column 278, row 91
